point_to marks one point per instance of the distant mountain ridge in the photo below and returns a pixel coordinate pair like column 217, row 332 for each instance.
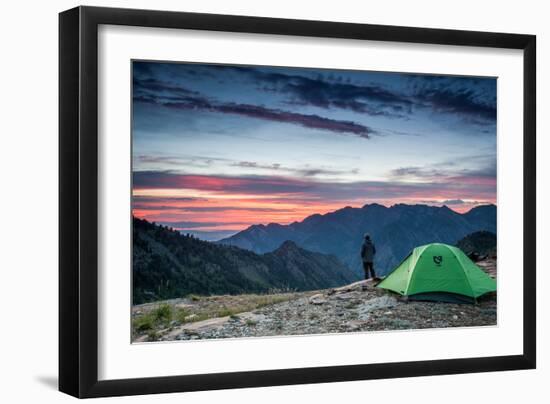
column 167, row 264
column 395, row 230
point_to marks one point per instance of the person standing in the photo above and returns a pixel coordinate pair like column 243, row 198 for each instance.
column 368, row 250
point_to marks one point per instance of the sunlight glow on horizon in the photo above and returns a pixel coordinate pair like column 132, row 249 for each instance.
column 213, row 214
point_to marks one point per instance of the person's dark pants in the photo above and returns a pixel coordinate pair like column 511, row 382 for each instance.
column 368, row 266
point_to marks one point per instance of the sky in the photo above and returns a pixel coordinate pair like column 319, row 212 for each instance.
column 217, row 148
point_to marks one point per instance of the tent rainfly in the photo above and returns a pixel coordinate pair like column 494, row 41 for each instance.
column 439, row 272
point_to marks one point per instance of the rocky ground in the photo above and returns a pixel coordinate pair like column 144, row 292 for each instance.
column 352, row 308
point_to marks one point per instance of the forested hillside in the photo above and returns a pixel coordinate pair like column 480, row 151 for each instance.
column 167, row 264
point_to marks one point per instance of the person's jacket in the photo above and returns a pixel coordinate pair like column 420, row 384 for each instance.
column 367, row 251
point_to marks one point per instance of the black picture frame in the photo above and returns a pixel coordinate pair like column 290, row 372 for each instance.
column 78, row 200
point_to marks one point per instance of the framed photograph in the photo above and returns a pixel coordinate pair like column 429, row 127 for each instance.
column 251, row 201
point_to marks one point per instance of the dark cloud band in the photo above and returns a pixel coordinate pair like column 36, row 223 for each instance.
column 182, row 99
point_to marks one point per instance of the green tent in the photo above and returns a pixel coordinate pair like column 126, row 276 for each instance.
column 439, row 272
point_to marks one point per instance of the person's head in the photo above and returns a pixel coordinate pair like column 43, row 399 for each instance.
column 367, row 236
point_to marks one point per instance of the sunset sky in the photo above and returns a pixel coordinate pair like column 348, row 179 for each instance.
column 218, row 148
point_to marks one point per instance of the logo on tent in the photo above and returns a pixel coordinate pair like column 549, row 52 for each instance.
column 438, row 259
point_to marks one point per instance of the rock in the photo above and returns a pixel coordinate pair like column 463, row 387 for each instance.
column 190, row 317
column 382, row 302
column 356, row 286
column 489, row 311
column 354, row 325
column 318, row 299
column 346, row 296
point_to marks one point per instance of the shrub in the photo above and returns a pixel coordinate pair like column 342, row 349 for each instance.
column 162, row 314
column 143, row 323
column 225, row 312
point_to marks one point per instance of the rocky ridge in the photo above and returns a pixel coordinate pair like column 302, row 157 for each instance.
column 352, row 308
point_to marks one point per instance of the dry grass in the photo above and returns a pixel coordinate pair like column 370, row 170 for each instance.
column 151, row 318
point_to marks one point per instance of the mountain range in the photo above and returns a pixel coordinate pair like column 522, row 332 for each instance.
column 396, row 230
column 167, row 264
